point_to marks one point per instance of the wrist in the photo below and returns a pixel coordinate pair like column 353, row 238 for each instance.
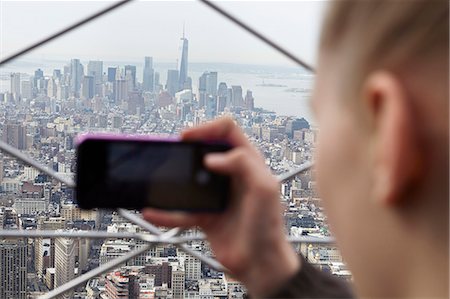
column 273, row 269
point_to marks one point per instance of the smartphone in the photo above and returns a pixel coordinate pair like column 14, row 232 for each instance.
column 137, row 172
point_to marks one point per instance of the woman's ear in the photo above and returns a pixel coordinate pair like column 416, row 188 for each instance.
column 396, row 151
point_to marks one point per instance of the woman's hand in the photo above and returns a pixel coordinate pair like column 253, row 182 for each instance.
column 248, row 238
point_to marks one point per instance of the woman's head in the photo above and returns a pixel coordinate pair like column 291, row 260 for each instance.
column 381, row 101
column 386, row 34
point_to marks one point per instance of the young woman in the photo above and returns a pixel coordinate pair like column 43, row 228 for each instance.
column 381, row 101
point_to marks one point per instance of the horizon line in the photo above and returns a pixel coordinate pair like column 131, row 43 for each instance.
column 135, row 60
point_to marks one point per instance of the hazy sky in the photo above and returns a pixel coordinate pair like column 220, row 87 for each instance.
column 153, row 28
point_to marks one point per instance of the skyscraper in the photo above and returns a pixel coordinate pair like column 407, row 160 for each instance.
column 51, row 88
column 207, row 86
column 15, row 85
column 65, row 254
column 112, row 74
column 15, row 135
column 26, row 92
column 130, row 75
column 172, row 82
column 211, row 107
column 120, row 91
column 38, row 74
column 202, row 83
column 211, row 84
column 87, row 90
column 183, row 67
column 230, row 101
column 95, row 69
column 249, row 101
column 57, row 74
column 148, row 82
column 38, row 79
column 76, row 72
column 222, row 97
column 13, row 268
column 237, row 96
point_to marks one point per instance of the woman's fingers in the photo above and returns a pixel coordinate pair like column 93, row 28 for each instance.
column 173, row 219
column 243, row 163
column 221, row 129
column 246, row 169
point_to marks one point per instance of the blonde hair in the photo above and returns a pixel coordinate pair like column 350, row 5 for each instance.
column 388, row 34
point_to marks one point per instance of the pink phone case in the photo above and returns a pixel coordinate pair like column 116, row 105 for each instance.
column 112, row 136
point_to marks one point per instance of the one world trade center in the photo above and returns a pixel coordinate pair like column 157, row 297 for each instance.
column 183, row 67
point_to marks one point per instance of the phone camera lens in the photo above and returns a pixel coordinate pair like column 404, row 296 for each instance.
column 202, row 177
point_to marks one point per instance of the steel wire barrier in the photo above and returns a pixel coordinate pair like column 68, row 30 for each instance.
column 155, row 235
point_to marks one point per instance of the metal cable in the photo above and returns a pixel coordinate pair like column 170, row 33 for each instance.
column 294, row 172
column 31, row 162
column 95, row 272
column 150, row 227
column 258, row 35
column 165, row 237
column 15, row 233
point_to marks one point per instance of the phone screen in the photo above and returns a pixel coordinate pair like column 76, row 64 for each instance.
column 137, row 174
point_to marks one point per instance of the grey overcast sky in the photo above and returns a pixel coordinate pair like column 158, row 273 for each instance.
column 153, row 28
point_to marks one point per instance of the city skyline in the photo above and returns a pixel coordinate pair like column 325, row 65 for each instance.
column 276, row 83
column 271, row 85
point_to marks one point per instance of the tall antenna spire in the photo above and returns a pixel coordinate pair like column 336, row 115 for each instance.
column 184, row 24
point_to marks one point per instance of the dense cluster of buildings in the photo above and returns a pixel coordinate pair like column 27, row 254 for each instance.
column 43, row 113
